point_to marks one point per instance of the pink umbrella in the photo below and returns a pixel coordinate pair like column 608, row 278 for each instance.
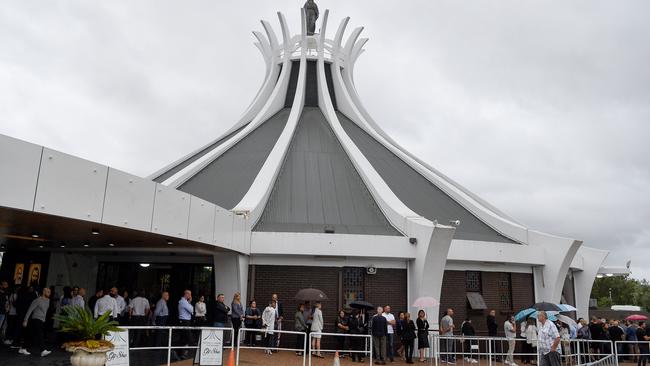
column 425, row 302
column 635, row 317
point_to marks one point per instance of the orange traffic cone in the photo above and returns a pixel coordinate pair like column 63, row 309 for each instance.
column 337, row 361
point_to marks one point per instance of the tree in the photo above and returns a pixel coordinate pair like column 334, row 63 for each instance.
column 621, row 290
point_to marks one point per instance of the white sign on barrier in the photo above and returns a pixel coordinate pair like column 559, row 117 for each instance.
column 211, row 347
column 118, row 356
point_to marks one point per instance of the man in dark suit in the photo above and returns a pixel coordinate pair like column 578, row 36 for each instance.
column 379, row 330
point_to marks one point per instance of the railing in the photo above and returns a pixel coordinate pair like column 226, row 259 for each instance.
column 169, row 347
column 273, row 347
column 480, row 350
column 607, row 361
column 367, row 349
column 633, row 350
column 492, row 350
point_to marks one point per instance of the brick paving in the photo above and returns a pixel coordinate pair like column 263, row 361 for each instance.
column 145, row 358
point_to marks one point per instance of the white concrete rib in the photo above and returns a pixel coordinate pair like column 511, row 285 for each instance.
column 254, row 201
column 273, row 103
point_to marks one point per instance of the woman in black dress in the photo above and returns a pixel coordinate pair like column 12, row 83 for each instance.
column 423, row 333
column 408, row 337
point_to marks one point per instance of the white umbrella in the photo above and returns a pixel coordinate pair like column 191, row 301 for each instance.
column 425, row 302
column 566, row 320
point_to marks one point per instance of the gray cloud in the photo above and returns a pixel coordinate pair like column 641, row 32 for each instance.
column 541, row 108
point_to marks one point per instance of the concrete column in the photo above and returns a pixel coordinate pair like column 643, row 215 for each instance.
column 583, row 281
column 426, row 271
column 558, row 255
column 231, row 275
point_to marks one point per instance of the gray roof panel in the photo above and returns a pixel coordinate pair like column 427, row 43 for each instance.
column 417, row 192
column 226, row 180
column 180, row 166
column 318, row 186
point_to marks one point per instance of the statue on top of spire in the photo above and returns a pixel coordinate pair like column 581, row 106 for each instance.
column 311, row 13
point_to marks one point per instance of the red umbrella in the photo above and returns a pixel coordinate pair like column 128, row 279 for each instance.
column 636, row 317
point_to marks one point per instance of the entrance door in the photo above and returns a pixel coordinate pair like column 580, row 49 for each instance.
column 156, row 278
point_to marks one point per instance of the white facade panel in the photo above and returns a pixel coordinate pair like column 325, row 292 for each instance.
column 171, row 212
column 19, row 164
column 71, row 187
column 223, row 220
column 129, row 201
column 332, row 245
column 201, row 225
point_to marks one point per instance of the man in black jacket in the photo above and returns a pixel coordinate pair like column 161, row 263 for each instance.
column 220, row 312
column 492, row 327
column 379, row 330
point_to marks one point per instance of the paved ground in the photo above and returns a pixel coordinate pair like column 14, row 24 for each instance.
column 248, row 357
column 145, row 358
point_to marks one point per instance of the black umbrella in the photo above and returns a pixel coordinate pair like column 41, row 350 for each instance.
column 310, row 294
column 546, row 306
column 363, row 305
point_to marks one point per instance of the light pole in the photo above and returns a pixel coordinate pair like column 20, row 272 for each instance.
column 610, row 296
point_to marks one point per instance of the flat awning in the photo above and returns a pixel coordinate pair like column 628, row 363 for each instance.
column 476, row 301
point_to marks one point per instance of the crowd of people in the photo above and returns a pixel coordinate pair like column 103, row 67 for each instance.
column 27, row 315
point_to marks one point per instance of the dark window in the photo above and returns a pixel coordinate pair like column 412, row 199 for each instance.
column 473, row 281
column 353, row 284
column 505, row 291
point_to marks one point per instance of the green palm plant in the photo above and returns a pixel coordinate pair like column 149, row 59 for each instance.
column 79, row 321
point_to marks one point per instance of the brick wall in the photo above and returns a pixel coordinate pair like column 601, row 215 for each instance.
column 454, row 296
column 386, row 287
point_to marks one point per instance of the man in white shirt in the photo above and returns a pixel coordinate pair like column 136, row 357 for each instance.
column 510, row 333
column 447, row 331
column 121, row 304
column 106, row 304
column 548, row 340
column 79, row 299
column 390, row 319
column 139, row 309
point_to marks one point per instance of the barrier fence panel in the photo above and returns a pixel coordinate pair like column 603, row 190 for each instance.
column 365, row 338
column 270, row 340
column 585, row 351
column 481, row 350
column 495, row 351
column 630, row 351
column 163, row 337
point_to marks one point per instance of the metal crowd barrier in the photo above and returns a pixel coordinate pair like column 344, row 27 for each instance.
column 479, row 350
column 169, row 347
column 586, row 351
column 491, row 351
column 241, row 336
column 367, row 344
column 607, row 361
column 621, row 353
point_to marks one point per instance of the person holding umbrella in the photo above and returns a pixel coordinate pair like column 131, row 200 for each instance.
column 317, row 327
column 355, row 323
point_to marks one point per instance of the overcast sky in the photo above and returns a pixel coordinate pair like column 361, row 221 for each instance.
column 541, row 108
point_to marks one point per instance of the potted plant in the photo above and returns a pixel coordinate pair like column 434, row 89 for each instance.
column 86, row 349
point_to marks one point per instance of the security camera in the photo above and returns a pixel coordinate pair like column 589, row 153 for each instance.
column 454, row 223
column 371, row 270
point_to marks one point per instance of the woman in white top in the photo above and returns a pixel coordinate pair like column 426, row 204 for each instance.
column 531, row 342
column 200, row 311
column 268, row 323
column 317, row 327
